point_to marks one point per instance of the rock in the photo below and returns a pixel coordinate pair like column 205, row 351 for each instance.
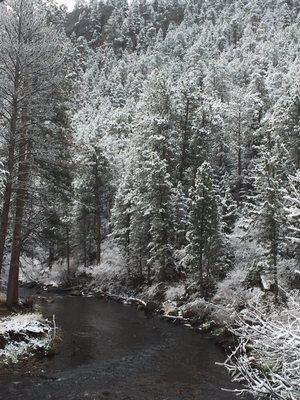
column 136, row 302
column 173, row 312
column 170, row 309
column 76, row 293
column 267, row 281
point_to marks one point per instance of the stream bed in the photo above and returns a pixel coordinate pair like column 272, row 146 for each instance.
column 111, row 351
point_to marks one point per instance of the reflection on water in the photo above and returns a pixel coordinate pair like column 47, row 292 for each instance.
column 112, row 351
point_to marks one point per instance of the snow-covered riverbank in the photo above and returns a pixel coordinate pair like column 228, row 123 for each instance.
column 25, row 335
column 243, row 290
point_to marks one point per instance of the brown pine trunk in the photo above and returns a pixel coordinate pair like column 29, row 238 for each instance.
column 84, row 243
column 97, row 213
column 98, row 235
column 12, row 298
column 6, row 202
column 8, row 186
column 11, row 154
column 68, row 251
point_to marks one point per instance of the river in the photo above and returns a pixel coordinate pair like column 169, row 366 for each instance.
column 111, row 351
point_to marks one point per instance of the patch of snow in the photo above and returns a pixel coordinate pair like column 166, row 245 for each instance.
column 24, row 334
column 175, row 292
column 111, row 271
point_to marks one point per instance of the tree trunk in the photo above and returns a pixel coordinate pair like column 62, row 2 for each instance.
column 68, row 251
column 84, row 238
column 11, row 154
column 239, row 161
column 6, row 203
column 50, row 255
column 184, row 141
column 22, row 190
column 8, row 186
column 149, row 274
column 97, row 213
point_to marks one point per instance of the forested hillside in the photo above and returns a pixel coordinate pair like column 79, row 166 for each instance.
column 153, row 147
column 187, row 123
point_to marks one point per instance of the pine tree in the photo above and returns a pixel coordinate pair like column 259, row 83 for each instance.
column 32, row 53
column 292, row 210
column 271, row 173
column 180, row 217
column 203, row 230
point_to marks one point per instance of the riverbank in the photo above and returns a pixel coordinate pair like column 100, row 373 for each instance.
column 198, row 315
column 242, row 290
column 162, row 300
column 115, row 352
column 25, row 334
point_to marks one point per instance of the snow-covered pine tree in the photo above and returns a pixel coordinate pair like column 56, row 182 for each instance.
column 203, row 227
column 32, row 55
column 180, row 217
column 271, row 171
column 153, row 183
column 292, row 209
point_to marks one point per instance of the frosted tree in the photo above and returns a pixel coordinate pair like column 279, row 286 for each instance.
column 158, row 188
column 292, row 209
column 203, row 227
column 286, row 119
column 187, row 101
column 271, row 171
column 32, row 53
column 228, row 209
column 180, row 217
column 153, row 186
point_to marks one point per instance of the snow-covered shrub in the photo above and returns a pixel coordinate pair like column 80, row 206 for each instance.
column 111, row 271
column 198, row 308
column 267, row 358
column 174, row 293
column 22, row 335
column 34, row 270
column 155, row 293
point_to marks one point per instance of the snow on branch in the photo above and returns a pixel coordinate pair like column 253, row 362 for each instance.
column 267, row 358
column 293, row 208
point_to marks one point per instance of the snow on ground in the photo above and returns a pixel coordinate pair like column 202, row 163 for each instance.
column 109, row 275
column 110, row 272
column 33, row 270
column 174, row 293
column 22, row 335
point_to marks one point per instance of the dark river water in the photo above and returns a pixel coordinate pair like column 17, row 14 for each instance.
column 111, row 351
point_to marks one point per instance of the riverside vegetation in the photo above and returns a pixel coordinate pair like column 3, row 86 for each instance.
column 151, row 150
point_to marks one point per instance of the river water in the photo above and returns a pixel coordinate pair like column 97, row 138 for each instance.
column 111, row 351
